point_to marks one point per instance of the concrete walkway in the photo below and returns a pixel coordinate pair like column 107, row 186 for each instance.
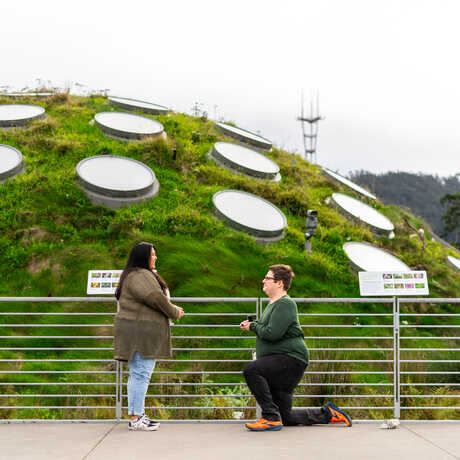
column 222, row 442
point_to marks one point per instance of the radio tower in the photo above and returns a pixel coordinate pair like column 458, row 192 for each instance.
column 310, row 128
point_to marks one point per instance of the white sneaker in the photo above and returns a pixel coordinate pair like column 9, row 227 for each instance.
column 143, row 423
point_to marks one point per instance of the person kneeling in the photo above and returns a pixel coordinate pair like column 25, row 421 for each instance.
column 282, row 358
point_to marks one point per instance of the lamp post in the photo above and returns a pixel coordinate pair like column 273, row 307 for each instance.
column 311, row 224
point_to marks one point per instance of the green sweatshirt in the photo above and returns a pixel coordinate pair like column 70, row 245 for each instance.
column 278, row 331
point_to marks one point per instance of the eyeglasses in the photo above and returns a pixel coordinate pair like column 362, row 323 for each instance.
column 269, row 278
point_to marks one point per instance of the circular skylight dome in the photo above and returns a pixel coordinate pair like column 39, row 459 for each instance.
column 244, row 160
column 10, row 162
column 250, row 213
column 454, row 262
column 127, row 125
column 116, row 181
column 350, row 206
column 134, row 104
column 245, row 136
column 348, row 183
column 19, row 114
column 368, row 258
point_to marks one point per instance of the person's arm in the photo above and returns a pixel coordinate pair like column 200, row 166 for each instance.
column 145, row 289
column 283, row 315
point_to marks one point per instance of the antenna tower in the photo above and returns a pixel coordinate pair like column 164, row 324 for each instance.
column 310, row 128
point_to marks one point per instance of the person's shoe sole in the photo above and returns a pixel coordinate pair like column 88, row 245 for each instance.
column 271, row 428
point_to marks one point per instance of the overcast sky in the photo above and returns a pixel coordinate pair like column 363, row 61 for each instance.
column 388, row 72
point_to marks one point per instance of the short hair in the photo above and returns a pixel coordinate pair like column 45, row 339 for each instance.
column 283, row 273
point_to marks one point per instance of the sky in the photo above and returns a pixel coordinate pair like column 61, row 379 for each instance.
column 387, row 72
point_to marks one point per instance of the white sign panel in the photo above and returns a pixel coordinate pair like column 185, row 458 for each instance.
column 393, row 283
column 103, row 281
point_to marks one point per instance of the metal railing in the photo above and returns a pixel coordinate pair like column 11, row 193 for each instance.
column 365, row 366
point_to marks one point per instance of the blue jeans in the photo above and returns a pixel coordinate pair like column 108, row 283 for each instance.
column 140, row 371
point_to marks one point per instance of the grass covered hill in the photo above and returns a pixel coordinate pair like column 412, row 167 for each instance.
column 51, row 234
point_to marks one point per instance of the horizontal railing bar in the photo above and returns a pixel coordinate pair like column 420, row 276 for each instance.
column 105, row 337
column 338, row 300
column 429, row 372
column 59, row 372
column 251, row 396
column 194, row 407
column 241, row 299
column 57, row 407
column 56, row 325
column 439, row 384
column 429, row 300
column 429, row 360
column 214, row 299
column 431, row 407
column 430, row 396
column 346, row 314
column 234, row 361
column 429, row 338
column 114, row 313
column 348, row 337
column 55, row 314
column 434, row 326
column 429, row 349
column 253, row 407
column 336, row 384
column 58, row 396
column 221, row 314
column 113, row 299
column 55, row 349
column 58, row 383
column 240, row 372
column 429, row 314
column 56, row 361
column 305, row 326
column 58, row 299
column 215, row 384
column 210, row 349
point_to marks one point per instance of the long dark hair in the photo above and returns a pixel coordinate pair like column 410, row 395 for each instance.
column 139, row 258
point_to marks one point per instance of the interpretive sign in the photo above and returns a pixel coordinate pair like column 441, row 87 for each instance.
column 393, row 283
column 103, row 281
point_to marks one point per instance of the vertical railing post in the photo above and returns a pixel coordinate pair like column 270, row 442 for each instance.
column 119, row 390
column 396, row 359
column 254, row 355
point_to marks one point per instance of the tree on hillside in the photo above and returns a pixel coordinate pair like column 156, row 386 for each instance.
column 452, row 216
column 420, row 193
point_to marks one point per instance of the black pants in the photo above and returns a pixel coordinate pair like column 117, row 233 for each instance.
column 272, row 381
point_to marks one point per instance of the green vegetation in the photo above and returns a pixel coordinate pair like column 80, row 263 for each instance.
column 51, row 235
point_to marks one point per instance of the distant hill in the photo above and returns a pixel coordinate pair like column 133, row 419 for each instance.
column 420, row 193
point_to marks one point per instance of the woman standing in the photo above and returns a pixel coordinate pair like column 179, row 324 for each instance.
column 142, row 327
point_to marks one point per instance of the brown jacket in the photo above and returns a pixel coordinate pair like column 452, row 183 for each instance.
column 142, row 322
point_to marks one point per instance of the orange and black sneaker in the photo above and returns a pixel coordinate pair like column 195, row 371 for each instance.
column 338, row 415
column 264, row 425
